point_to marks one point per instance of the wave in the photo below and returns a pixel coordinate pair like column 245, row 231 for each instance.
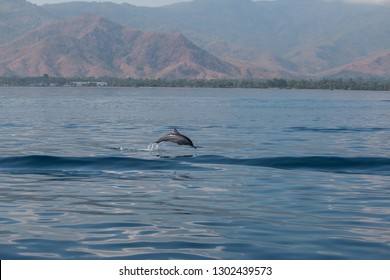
column 352, row 165
column 44, row 162
column 334, row 164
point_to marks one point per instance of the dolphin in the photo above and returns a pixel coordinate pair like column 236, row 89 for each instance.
column 176, row 137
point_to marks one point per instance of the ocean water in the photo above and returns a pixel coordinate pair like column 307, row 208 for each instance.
column 278, row 174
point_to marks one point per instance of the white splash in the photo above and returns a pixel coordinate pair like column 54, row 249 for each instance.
column 152, row 147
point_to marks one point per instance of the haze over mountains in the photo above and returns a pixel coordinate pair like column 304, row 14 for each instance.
column 198, row 39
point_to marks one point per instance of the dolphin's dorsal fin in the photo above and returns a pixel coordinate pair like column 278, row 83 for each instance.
column 175, row 131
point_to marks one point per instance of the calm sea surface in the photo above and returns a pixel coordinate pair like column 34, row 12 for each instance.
column 278, row 174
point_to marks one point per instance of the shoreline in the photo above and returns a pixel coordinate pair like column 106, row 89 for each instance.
column 323, row 84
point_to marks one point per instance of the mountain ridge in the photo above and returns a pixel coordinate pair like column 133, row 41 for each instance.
column 308, row 39
column 370, row 67
column 96, row 46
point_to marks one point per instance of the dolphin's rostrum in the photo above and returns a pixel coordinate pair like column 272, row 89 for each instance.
column 176, row 137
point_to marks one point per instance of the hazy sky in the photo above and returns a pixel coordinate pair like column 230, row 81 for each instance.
column 152, row 3
column 155, row 3
column 369, row 1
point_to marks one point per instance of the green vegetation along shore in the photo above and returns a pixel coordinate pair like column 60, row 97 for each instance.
column 343, row 84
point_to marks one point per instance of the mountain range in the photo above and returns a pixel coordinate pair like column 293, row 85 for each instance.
column 96, row 46
column 199, row 39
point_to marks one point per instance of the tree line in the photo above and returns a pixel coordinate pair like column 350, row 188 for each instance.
column 342, row 84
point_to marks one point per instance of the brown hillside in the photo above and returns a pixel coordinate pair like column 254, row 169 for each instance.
column 374, row 66
column 95, row 46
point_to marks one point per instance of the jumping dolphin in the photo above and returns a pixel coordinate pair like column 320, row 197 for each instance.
column 177, row 138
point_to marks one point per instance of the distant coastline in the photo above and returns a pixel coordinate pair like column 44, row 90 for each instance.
column 330, row 84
